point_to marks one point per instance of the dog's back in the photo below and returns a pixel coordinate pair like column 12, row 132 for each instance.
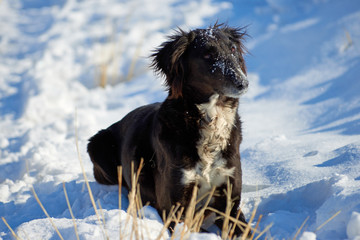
column 132, row 133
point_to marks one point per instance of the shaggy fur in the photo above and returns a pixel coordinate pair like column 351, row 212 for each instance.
column 193, row 137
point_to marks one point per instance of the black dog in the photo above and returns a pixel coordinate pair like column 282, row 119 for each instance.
column 193, row 137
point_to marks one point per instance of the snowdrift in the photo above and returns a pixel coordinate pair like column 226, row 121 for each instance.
column 85, row 63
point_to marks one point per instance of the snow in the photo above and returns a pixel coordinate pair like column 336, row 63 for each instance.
column 301, row 115
column 353, row 228
column 308, row 236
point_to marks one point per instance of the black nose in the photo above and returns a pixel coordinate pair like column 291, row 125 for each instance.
column 241, row 83
column 245, row 83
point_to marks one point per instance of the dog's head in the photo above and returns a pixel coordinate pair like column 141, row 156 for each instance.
column 205, row 60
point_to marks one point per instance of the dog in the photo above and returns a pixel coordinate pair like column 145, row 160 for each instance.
column 193, row 137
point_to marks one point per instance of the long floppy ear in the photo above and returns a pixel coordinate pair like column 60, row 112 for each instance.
column 169, row 60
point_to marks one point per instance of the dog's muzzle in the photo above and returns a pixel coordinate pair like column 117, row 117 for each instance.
column 240, row 80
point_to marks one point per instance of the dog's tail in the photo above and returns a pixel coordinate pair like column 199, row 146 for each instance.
column 103, row 151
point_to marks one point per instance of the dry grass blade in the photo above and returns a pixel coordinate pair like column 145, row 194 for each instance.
column 167, row 221
column 348, row 37
column 231, row 234
column 103, row 219
column 120, row 184
column 177, row 219
column 210, row 194
column 199, row 217
column 256, row 227
column 247, row 229
column 143, row 217
column 189, row 214
column 139, row 210
column 134, row 60
column 301, row 227
column 103, row 76
column 134, row 200
column 229, row 206
column 85, row 177
column 131, row 197
column 46, row 213
column 71, row 212
column 264, row 231
column 12, row 231
column 136, row 229
column 238, row 222
column 349, row 40
column 327, row 221
column 113, row 61
column 108, row 56
column 42, row 207
column 139, row 170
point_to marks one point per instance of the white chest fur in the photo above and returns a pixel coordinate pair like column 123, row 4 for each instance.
column 215, row 130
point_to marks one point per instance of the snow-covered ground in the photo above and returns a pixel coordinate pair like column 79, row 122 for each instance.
column 301, row 149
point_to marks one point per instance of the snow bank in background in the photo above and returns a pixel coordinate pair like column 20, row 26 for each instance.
column 308, row 236
column 301, row 149
column 353, row 227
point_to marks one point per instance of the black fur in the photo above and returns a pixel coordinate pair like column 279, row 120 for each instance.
column 197, row 65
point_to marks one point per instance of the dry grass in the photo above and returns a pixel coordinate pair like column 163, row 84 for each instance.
column 327, row 221
column 47, row 215
column 71, row 212
column 349, row 41
column 11, row 230
column 108, row 66
column 108, row 69
column 188, row 222
column 87, row 181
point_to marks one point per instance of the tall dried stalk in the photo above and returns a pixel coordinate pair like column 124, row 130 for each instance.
column 87, row 181
column 327, row 221
column 46, row 213
column 11, row 230
column 71, row 212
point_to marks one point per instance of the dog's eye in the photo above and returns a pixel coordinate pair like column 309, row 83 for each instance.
column 233, row 49
column 207, row 56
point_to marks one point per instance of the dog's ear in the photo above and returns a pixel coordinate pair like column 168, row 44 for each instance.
column 169, row 60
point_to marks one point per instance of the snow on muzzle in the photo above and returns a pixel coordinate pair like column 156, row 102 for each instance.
column 233, row 73
column 240, row 80
column 237, row 76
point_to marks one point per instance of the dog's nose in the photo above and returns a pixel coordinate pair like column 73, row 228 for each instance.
column 240, row 80
column 245, row 83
